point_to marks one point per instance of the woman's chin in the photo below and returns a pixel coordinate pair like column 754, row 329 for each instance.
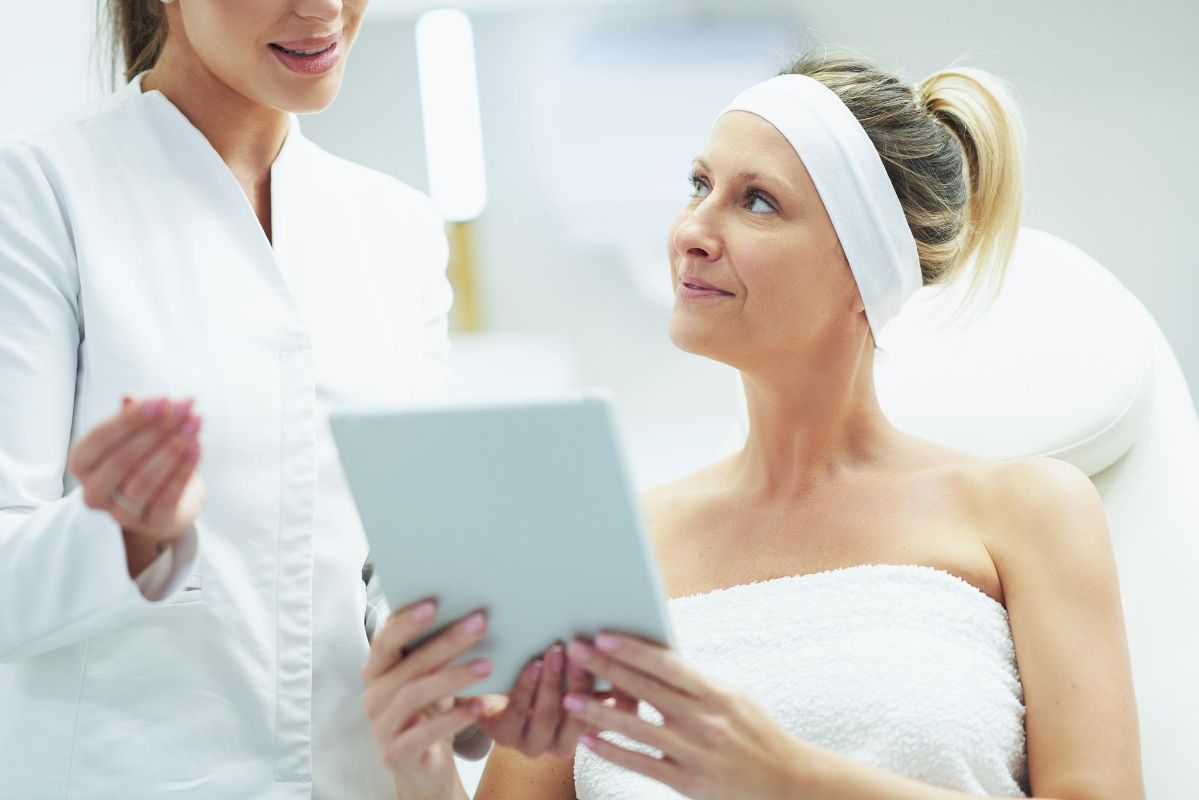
column 699, row 340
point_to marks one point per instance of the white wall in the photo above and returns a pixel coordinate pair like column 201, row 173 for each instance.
column 1110, row 108
column 52, row 67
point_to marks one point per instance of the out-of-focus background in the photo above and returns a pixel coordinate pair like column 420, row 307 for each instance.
column 591, row 111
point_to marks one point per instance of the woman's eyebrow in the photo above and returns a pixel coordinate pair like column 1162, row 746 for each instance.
column 745, row 177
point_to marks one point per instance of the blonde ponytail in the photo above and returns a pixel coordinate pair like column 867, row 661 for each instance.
column 980, row 112
column 953, row 148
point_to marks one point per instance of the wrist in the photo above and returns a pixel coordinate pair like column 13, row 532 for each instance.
column 809, row 772
column 140, row 551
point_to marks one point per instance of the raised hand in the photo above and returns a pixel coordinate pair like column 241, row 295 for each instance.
column 140, row 466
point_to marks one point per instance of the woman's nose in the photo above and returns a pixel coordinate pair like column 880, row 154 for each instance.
column 697, row 237
column 323, row 10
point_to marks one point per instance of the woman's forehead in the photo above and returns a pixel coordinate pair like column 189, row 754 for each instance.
column 744, row 143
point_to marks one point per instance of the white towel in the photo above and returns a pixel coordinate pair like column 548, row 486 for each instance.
column 908, row 668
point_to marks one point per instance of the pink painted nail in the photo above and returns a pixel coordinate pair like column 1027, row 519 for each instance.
column 152, row 408
column 189, row 427
column 535, row 671
column 475, row 623
column 555, row 660
column 481, row 668
column 425, row 611
column 579, row 652
column 587, row 741
column 573, row 703
column 180, row 410
column 607, row 642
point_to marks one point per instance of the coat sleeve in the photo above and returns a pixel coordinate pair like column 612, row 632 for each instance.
column 63, row 571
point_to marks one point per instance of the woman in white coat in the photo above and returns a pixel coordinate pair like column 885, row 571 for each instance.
column 186, row 242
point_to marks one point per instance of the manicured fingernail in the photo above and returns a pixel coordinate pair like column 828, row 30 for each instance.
column 481, row 668
column 180, row 410
column 425, row 611
column 587, row 741
column 477, row 707
column 475, row 623
column 554, row 660
column 607, row 642
column 152, row 408
column 579, row 652
column 535, row 671
column 189, row 427
column 573, row 702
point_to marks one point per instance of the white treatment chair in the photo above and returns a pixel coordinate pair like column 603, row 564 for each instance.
column 1067, row 363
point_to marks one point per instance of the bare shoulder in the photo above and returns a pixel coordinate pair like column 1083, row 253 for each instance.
column 1039, row 507
column 1048, row 536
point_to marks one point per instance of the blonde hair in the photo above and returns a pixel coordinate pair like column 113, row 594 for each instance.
column 953, row 147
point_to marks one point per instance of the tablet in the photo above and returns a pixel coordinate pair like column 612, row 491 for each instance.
column 523, row 509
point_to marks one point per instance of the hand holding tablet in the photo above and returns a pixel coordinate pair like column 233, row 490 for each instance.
column 522, row 510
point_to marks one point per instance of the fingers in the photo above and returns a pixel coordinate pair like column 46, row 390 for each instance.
column 172, row 499
column 388, row 669
column 408, row 746
column 414, row 697
column 659, row 769
column 580, row 683
column 147, row 480
column 443, row 648
column 86, row 453
column 390, row 640
column 117, row 463
column 649, row 688
column 653, row 659
column 541, row 733
column 608, row 718
column 508, row 727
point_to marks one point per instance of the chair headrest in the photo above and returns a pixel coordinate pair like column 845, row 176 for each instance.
column 1060, row 365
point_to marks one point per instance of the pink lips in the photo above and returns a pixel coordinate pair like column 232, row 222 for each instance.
column 693, row 289
column 313, row 64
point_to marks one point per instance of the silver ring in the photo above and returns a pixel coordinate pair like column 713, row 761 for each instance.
column 128, row 505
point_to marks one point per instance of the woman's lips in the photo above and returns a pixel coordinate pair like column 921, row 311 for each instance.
column 693, row 289
column 309, row 56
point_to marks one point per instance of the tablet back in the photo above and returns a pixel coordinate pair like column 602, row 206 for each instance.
column 525, row 510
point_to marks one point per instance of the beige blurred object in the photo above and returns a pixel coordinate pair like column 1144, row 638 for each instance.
column 467, row 314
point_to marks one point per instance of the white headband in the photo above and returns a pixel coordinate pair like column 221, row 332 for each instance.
column 853, row 184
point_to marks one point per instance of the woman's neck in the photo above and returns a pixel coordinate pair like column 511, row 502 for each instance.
column 811, row 424
column 247, row 135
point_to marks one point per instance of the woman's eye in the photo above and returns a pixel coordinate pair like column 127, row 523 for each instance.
column 760, row 205
column 699, row 188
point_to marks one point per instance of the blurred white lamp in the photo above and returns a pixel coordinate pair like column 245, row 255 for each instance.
column 449, row 89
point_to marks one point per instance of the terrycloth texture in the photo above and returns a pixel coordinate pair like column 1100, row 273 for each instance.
column 908, row 668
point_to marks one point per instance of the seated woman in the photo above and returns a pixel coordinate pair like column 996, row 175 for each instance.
column 860, row 614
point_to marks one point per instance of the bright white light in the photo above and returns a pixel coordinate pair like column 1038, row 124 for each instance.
column 449, row 91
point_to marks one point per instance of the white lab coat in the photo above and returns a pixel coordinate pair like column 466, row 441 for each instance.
column 131, row 262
